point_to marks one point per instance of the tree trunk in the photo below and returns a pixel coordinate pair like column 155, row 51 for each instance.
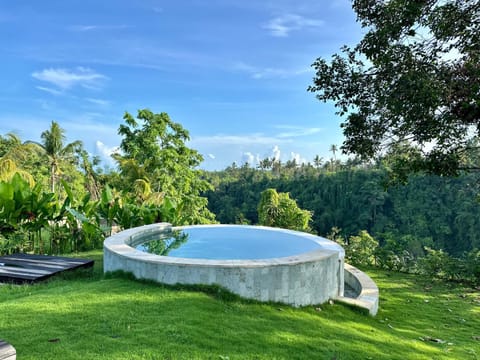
column 52, row 176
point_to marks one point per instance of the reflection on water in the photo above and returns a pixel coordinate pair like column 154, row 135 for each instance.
column 168, row 242
column 228, row 243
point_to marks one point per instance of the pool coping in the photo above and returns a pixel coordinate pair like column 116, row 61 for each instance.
column 122, row 242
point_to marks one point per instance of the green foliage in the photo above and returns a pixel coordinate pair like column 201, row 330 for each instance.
column 8, row 168
column 268, row 208
column 81, row 218
column 57, row 151
column 155, row 165
column 395, row 255
column 360, row 249
column 168, row 242
column 439, row 264
column 158, row 182
column 279, row 210
column 24, row 212
column 413, row 77
column 20, row 157
column 363, row 250
column 436, row 263
column 431, row 211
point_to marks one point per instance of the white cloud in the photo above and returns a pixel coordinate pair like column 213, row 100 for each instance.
column 249, row 139
column 211, row 156
column 66, row 79
column 268, row 73
column 249, row 158
column 341, row 4
column 85, row 28
column 106, row 152
column 100, row 102
column 281, row 26
column 296, row 131
column 298, row 158
column 82, row 28
column 276, row 153
column 50, row 90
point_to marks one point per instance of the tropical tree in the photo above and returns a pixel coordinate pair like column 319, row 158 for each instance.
column 20, row 156
column 12, row 147
column 8, row 169
column 334, row 149
column 156, row 164
column 413, row 77
column 92, row 183
column 279, row 210
column 266, row 163
column 318, row 160
column 268, row 208
column 53, row 144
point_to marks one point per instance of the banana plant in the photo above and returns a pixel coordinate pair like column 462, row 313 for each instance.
column 24, row 210
column 82, row 219
column 108, row 208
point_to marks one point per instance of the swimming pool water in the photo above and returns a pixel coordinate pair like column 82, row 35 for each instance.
column 231, row 243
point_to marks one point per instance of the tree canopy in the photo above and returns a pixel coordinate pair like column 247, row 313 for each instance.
column 279, row 210
column 53, row 144
column 155, row 163
column 413, row 79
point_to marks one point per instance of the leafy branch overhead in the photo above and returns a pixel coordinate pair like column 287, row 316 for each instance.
column 413, row 79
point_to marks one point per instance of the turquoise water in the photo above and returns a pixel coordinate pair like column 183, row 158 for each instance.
column 230, row 243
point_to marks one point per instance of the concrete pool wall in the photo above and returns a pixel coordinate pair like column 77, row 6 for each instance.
column 309, row 278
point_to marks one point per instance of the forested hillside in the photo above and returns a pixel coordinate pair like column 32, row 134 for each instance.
column 54, row 199
column 429, row 211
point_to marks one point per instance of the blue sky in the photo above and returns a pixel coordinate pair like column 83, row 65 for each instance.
column 232, row 72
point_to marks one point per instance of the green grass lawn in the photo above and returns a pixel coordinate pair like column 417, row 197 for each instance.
column 85, row 315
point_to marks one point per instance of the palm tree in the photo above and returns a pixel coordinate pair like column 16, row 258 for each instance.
column 14, row 149
column 13, row 155
column 91, row 177
column 8, row 168
column 318, row 161
column 334, row 149
column 53, row 144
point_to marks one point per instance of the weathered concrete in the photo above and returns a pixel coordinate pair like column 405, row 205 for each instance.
column 364, row 286
column 309, row 278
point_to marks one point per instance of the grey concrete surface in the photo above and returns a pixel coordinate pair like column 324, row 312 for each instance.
column 367, row 293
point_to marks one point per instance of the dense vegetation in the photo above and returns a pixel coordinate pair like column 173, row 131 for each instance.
column 434, row 211
column 90, row 316
column 55, row 199
column 432, row 217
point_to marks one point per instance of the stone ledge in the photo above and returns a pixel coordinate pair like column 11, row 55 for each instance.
column 364, row 286
column 7, row 351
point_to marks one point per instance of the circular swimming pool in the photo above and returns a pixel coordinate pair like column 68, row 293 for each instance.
column 261, row 263
column 230, row 242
